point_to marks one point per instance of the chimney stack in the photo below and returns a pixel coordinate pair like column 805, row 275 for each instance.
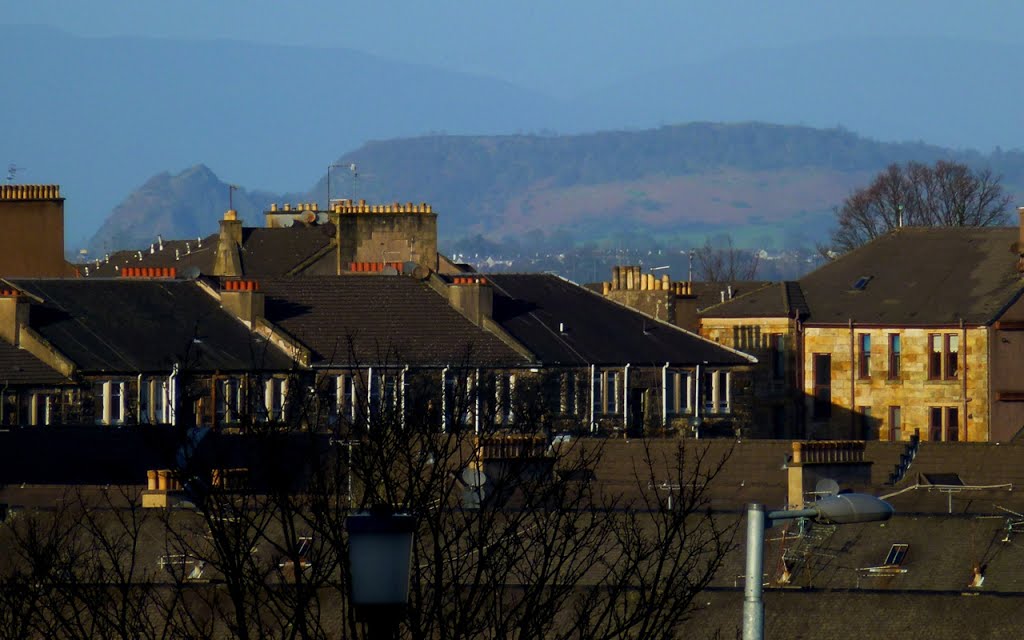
column 227, row 262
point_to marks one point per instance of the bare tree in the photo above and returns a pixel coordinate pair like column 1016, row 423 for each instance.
column 516, row 537
column 947, row 194
column 719, row 260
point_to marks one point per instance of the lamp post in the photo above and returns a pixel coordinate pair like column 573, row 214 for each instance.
column 844, row 508
column 380, row 562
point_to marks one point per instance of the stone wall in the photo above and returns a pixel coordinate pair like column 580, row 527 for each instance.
column 863, row 404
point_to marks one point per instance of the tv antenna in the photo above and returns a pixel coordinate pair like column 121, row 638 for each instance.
column 12, row 170
column 231, row 193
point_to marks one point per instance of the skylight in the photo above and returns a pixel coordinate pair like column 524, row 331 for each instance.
column 861, row 283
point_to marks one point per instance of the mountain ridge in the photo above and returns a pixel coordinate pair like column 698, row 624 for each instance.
column 754, row 179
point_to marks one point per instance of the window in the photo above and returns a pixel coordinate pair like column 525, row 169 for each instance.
column 952, row 424
column 228, row 400
column 153, row 401
column 861, row 283
column 714, row 391
column 504, row 398
column 864, row 356
column 275, row 396
column 944, row 421
column 459, row 399
column 895, row 424
column 895, row 356
column 43, row 408
column 822, row 386
column 865, row 423
column 943, row 356
column 935, row 424
column 897, row 554
column 569, row 397
column 344, row 397
column 777, row 356
column 607, row 392
column 109, row 398
column 678, row 391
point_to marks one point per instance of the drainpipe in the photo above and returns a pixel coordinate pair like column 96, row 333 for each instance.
column 369, row 397
column 444, row 399
column 625, row 396
column 476, row 401
column 963, row 376
column 664, row 396
column 696, row 395
column 401, row 382
column 138, row 399
column 172, row 396
column 593, row 422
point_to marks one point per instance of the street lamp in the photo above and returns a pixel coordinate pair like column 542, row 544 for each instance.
column 843, row 508
column 380, row 562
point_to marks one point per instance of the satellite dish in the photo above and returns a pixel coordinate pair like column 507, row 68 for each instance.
column 474, row 477
column 190, row 272
column 826, row 487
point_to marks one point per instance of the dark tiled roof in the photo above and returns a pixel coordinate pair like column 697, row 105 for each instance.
column 776, row 300
column 181, row 254
column 275, row 252
column 916, row 276
column 531, row 307
column 709, row 294
column 265, row 252
column 372, row 320
column 919, row 276
column 127, row 326
column 18, row 366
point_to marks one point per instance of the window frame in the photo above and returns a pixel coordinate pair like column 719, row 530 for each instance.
column 944, row 363
column 863, row 356
column 895, row 356
column 822, row 392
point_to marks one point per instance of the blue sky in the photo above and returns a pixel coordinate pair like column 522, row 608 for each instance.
column 557, row 47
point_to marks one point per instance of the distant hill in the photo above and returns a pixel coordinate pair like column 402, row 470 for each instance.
column 102, row 115
column 769, row 185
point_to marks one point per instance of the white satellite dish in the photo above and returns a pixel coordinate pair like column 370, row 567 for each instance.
column 826, row 487
column 474, row 477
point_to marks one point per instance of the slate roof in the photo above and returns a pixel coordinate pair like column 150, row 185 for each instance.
column 265, row 252
column 357, row 320
column 134, row 326
column 18, row 366
column 774, row 300
column 181, row 254
column 532, row 307
column 916, row 276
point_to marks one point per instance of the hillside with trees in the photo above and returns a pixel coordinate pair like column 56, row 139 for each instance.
column 768, row 185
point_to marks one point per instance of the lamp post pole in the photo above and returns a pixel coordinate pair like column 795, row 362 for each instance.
column 844, row 508
column 380, row 554
column 753, row 605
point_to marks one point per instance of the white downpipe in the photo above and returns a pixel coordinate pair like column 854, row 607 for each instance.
column 172, row 396
column 625, row 396
column 696, row 394
column 476, row 401
column 401, row 400
column 369, row 397
column 593, row 388
column 444, row 399
column 664, row 396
